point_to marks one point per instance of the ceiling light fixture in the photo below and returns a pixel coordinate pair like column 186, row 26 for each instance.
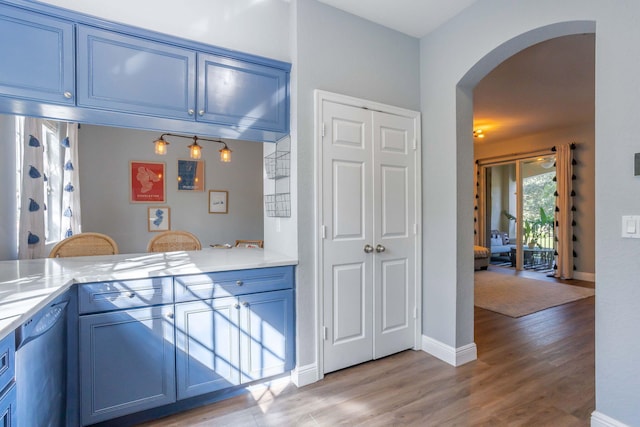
column 195, row 149
column 478, row 133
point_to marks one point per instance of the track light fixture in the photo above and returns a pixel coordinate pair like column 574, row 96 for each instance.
column 195, row 149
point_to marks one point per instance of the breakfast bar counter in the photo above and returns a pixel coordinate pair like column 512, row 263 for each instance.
column 26, row 286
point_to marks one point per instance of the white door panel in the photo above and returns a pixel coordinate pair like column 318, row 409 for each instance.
column 394, row 198
column 348, row 200
column 368, row 184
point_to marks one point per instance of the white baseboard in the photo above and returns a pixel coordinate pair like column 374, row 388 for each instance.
column 598, row 419
column 587, row 277
column 305, row 375
column 453, row 356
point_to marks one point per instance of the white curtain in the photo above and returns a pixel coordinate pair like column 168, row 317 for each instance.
column 70, row 208
column 49, row 189
column 564, row 212
column 31, row 238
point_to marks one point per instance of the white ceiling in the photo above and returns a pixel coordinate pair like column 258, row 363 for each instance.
column 416, row 18
column 547, row 86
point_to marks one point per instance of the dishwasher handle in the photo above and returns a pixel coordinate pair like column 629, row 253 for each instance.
column 44, row 322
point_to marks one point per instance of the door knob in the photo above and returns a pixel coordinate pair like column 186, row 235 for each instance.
column 380, row 248
column 368, row 248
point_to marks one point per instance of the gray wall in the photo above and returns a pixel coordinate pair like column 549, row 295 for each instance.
column 8, row 208
column 105, row 153
column 341, row 53
column 458, row 55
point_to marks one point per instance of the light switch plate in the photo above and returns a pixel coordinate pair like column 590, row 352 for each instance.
column 631, row 226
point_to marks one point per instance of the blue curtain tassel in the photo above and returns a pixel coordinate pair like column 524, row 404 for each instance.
column 33, row 205
column 34, row 172
column 33, row 141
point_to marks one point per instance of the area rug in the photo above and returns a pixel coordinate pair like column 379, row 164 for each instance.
column 518, row 296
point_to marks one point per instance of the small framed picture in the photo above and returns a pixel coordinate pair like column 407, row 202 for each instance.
column 146, row 182
column 218, row 201
column 191, row 175
column 159, row 218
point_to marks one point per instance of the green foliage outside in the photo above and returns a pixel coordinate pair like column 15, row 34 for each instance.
column 538, row 208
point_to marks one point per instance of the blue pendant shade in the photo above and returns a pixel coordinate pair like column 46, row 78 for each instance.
column 67, row 212
column 68, row 166
column 69, row 188
column 68, row 234
column 65, row 142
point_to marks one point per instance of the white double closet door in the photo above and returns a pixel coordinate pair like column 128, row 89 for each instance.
column 369, row 245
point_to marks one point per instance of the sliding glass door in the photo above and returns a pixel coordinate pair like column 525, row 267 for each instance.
column 517, row 212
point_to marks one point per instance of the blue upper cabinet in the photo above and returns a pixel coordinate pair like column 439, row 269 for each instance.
column 242, row 94
column 125, row 73
column 37, row 54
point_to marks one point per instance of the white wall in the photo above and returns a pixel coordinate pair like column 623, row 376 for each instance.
column 338, row 52
column 105, row 153
column 256, row 27
column 458, row 55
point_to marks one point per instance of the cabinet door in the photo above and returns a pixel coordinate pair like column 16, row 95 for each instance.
column 127, row 362
column 123, row 73
column 242, row 94
column 266, row 334
column 8, row 408
column 207, row 346
column 37, row 57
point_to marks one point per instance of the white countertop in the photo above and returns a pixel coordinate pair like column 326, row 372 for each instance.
column 27, row 286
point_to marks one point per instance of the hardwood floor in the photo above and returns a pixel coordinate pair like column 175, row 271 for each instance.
column 537, row 370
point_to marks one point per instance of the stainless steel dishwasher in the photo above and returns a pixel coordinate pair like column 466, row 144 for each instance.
column 41, row 367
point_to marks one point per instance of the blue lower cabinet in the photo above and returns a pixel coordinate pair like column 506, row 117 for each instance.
column 8, row 407
column 266, row 334
column 207, row 346
column 223, row 342
column 127, row 362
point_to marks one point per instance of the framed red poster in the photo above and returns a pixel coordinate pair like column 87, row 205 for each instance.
column 147, row 182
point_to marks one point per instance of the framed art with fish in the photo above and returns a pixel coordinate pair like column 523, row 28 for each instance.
column 159, row 218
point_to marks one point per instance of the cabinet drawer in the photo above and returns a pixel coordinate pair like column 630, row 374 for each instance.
column 229, row 283
column 7, row 360
column 107, row 296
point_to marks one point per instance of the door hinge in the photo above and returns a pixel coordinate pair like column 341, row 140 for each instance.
column 323, row 130
column 325, row 333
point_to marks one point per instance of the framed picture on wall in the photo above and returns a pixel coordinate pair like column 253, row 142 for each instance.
column 147, row 182
column 158, row 218
column 218, row 201
column 191, row 175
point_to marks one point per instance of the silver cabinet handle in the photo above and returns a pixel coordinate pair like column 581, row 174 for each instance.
column 190, row 111
column 236, row 306
column 246, row 304
column 169, row 315
column 368, row 248
column 201, row 112
column 68, row 95
column 380, row 248
column 131, row 294
column 239, row 282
